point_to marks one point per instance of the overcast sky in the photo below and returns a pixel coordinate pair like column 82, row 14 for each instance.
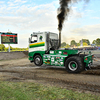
column 27, row 16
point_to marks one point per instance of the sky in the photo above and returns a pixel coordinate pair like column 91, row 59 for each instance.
column 27, row 16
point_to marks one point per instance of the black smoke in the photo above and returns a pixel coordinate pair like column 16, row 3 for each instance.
column 64, row 10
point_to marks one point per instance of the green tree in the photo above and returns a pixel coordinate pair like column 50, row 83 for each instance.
column 6, row 48
column 94, row 42
column 67, row 46
column 73, row 43
column 63, row 44
column 78, row 44
column 11, row 48
column 85, row 44
column 85, row 40
column 27, row 48
column 2, row 46
column 98, row 41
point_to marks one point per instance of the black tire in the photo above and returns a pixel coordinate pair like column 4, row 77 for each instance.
column 74, row 64
column 38, row 60
column 82, row 58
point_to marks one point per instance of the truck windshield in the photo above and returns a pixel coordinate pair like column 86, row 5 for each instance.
column 34, row 39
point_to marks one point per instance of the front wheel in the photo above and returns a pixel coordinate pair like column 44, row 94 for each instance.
column 38, row 60
column 74, row 64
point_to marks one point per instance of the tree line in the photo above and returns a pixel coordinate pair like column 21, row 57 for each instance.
column 73, row 43
column 3, row 48
column 83, row 42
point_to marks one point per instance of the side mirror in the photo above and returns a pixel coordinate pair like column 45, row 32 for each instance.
column 29, row 40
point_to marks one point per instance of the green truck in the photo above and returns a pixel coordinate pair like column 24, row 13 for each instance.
column 44, row 48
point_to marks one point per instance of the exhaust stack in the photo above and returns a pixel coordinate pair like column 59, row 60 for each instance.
column 59, row 39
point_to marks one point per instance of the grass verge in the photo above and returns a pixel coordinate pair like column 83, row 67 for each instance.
column 31, row 91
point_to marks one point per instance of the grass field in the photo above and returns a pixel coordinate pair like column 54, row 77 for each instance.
column 31, row 91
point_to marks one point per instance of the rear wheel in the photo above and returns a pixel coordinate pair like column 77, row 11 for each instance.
column 82, row 58
column 74, row 64
column 38, row 60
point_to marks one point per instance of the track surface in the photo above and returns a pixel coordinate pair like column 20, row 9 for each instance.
column 23, row 70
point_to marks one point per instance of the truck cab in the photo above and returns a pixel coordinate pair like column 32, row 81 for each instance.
column 42, row 41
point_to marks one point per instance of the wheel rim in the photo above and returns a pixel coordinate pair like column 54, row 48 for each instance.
column 37, row 60
column 72, row 65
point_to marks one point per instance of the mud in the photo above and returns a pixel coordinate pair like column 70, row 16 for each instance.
column 22, row 70
column 13, row 55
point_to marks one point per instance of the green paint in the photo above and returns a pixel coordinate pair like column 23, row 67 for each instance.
column 57, row 57
column 89, row 59
column 74, row 65
column 31, row 54
column 37, row 44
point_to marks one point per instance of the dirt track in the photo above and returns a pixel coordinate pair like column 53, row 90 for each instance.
column 23, row 70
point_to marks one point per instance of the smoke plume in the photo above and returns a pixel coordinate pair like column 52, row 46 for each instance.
column 63, row 11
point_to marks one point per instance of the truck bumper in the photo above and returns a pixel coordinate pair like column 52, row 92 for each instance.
column 88, row 60
column 30, row 57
